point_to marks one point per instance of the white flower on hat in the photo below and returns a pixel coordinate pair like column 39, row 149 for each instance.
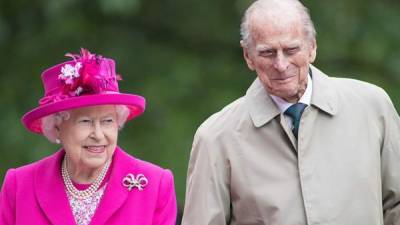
column 69, row 72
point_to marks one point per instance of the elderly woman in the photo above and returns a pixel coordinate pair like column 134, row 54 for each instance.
column 90, row 180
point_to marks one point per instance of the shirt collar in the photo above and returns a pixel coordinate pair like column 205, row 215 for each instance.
column 306, row 98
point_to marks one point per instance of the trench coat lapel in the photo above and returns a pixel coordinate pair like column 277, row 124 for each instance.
column 261, row 107
column 50, row 192
column 324, row 95
column 115, row 194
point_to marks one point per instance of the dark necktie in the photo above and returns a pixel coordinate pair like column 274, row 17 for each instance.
column 295, row 112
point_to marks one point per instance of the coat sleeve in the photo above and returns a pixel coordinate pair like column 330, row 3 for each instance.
column 7, row 199
column 207, row 187
column 166, row 210
column 390, row 167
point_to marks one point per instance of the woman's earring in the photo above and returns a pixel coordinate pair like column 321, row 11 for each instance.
column 58, row 141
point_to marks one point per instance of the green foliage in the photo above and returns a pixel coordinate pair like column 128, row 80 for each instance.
column 183, row 56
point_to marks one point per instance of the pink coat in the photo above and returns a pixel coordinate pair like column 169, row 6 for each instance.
column 34, row 194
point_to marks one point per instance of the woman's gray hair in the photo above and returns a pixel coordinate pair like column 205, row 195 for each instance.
column 50, row 122
column 264, row 5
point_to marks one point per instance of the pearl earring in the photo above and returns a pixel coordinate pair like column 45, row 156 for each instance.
column 58, row 141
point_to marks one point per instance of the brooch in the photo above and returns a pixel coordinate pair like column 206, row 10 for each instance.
column 139, row 182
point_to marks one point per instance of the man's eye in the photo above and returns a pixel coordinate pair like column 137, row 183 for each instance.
column 267, row 52
column 292, row 50
column 85, row 121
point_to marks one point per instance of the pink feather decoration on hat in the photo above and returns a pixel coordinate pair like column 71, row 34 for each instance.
column 94, row 75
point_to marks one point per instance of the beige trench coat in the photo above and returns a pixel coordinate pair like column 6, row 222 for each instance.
column 246, row 167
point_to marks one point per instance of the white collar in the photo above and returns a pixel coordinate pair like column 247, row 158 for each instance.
column 305, row 98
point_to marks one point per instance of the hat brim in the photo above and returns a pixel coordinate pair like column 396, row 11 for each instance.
column 135, row 103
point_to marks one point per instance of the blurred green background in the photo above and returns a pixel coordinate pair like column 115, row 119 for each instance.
column 182, row 55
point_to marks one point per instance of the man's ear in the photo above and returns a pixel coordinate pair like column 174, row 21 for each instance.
column 313, row 51
column 247, row 57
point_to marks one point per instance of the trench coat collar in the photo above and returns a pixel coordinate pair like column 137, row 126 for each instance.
column 262, row 108
column 324, row 96
column 53, row 200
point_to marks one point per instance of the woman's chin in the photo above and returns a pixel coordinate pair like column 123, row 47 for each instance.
column 95, row 162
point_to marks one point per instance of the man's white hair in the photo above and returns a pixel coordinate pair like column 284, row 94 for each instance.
column 270, row 8
column 50, row 122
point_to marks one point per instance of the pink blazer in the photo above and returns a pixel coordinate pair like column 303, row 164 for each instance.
column 34, row 194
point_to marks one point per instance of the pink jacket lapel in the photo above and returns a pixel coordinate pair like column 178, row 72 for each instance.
column 115, row 194
column 50, row 191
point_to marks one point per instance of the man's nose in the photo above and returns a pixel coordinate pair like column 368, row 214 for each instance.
column 281, row 62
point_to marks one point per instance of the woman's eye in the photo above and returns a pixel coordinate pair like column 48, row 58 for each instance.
column 85, row 121
column 108, row 121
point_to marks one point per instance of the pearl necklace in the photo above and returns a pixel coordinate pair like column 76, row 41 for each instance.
column 90, row 190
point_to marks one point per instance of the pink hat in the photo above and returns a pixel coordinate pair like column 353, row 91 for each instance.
column 87, row 80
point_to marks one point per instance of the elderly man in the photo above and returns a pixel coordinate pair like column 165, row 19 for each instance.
column 300, row 147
